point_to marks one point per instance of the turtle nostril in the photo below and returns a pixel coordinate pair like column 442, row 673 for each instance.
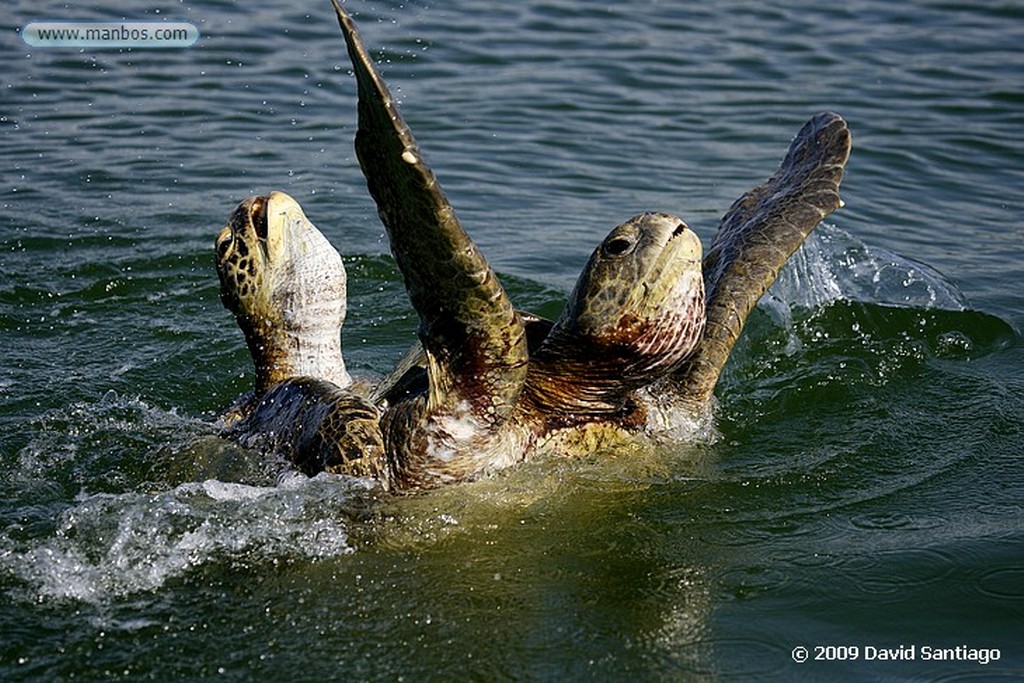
column 680, row 229
column 258, row 216
column 224, row 242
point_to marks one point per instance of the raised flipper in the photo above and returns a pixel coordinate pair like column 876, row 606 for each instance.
column 473, row 336
column 758, row 234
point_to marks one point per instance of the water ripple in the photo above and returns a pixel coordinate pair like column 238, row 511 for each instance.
column 868, row 477
column 1004, row 583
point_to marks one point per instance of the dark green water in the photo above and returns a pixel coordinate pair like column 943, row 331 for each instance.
column 867, row 489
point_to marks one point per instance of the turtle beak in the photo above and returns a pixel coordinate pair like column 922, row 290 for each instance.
column 690, row 247
column 681, row 252
column 286, row 228
column 251, row 214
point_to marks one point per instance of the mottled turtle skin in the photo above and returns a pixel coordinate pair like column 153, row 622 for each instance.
column 286, row 285
column 632, row 357
column 636, row 312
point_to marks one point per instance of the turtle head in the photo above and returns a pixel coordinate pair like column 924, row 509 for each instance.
column 286, row 285
column 637, row 312
column 641, row 296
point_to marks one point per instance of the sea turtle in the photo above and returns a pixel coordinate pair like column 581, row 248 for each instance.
column 626, row 356
column 286, row 285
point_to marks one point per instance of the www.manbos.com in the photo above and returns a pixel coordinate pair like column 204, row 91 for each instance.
column 115, row 34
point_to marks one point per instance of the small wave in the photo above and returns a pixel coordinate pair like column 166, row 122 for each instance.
column 833, row 265
column 843, row 311
column 107, row 442
column 107, row 546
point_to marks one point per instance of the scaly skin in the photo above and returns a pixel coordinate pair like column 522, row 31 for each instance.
column 319, row 427
column 626, row 355
column 760, row 231
column 636, row 312
column 624, row 361
column 472, row 335
column 639, row 306
column 286, row 285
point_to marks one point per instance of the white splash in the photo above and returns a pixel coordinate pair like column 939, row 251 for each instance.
column 833, row 265
column 107, row 546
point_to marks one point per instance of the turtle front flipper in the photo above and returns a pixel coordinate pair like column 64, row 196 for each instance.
column 473, row 337
column 757, row 235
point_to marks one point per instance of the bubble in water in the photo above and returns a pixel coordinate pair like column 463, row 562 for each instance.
column 954, row 344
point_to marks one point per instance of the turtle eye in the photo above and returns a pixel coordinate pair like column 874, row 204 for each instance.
column 619, row 246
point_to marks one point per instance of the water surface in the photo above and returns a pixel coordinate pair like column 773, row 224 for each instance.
column 867, row 486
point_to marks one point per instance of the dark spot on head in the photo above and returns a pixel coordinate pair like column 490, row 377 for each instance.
column 243, row 248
